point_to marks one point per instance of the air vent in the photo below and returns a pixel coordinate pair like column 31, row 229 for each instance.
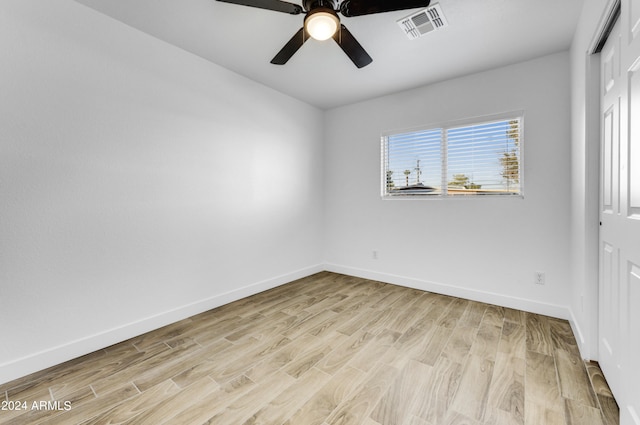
column 423, row 22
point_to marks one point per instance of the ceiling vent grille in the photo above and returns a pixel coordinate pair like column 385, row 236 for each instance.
column 423, row 22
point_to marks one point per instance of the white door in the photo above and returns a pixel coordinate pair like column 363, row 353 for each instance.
column 609, row 291
column 619, row 315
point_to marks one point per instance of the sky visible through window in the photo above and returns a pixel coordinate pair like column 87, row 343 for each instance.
column 481, row 157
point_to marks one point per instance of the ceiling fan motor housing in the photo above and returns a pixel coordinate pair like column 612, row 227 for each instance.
column 311, row 5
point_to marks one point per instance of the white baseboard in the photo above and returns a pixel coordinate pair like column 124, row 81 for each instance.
column 552, row 310
column 64, row 352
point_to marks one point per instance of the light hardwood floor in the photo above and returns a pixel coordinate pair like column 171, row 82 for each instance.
column 330, row 349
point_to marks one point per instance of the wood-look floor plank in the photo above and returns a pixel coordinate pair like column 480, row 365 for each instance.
column 326, row 399
column 438, row 390
column 310, row 323
column 473, row 391
column 425, row 301
column 331, row 349
column 389, row 295
column 213, row 403
column 326, row 303
column 371, row 320
column 494, row 315
column 246, row 406
column 173, row 405
column 274, row 326
column 494, row 416
column 395, row 406
column 610, row 410
column 142, row 365
column 404, row 318
column 454, row 345
column 542, row 387
column 173, row 367
column 577, row 413
column 303, row 353
column 512, row 340
column 574, row 380
column 539, row 335
column 485, row 344
column 289, row 400
column 343, row 353
column 506, row 394
column 354, row 409
column 517, row 317
column 135, row 405
column 414, row 420
column 537, row 414
column 598, row 381
column 473, row 314
column 230, row 367
column 436, row 312
column 369, row 421
column 187, row 374
column 562, row 336
column 205, row 335
column 312, row 353
column 365, row 360
column 263, row 329
column 338, row 322
column 453, row 313
column 353, row 301
column 82, row 411
column 457, row 418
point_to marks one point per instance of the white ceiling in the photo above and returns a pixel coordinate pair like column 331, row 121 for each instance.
column 481, row 35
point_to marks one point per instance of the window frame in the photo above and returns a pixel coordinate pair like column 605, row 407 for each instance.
column 444, row 127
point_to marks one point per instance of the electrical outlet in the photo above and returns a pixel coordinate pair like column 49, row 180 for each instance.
column 538, row 278
column 374, row 254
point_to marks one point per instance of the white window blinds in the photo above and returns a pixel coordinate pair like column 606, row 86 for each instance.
column 455, row 160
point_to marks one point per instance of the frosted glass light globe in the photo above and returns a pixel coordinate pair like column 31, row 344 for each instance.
column 322, row 25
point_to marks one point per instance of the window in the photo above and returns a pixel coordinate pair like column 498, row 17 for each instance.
column 458, row 159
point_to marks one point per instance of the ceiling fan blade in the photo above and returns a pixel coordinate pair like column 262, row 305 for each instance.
column 351, row 8
column 291, row 47
column 277, row 5
column 351, row 47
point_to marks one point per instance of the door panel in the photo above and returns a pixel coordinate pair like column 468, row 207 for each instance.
column 634, row 141
column 632, row 336
column 607, row 161
column 608, row 313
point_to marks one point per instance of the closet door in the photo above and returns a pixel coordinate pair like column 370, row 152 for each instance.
column 609, row 354
column 619, row 316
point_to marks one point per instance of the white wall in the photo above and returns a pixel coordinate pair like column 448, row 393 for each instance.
column 485, row 249
column 139, row 184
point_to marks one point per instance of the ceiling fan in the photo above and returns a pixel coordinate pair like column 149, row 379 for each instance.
column 322, row 22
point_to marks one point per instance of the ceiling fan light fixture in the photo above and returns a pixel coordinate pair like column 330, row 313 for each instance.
column 322, row 24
